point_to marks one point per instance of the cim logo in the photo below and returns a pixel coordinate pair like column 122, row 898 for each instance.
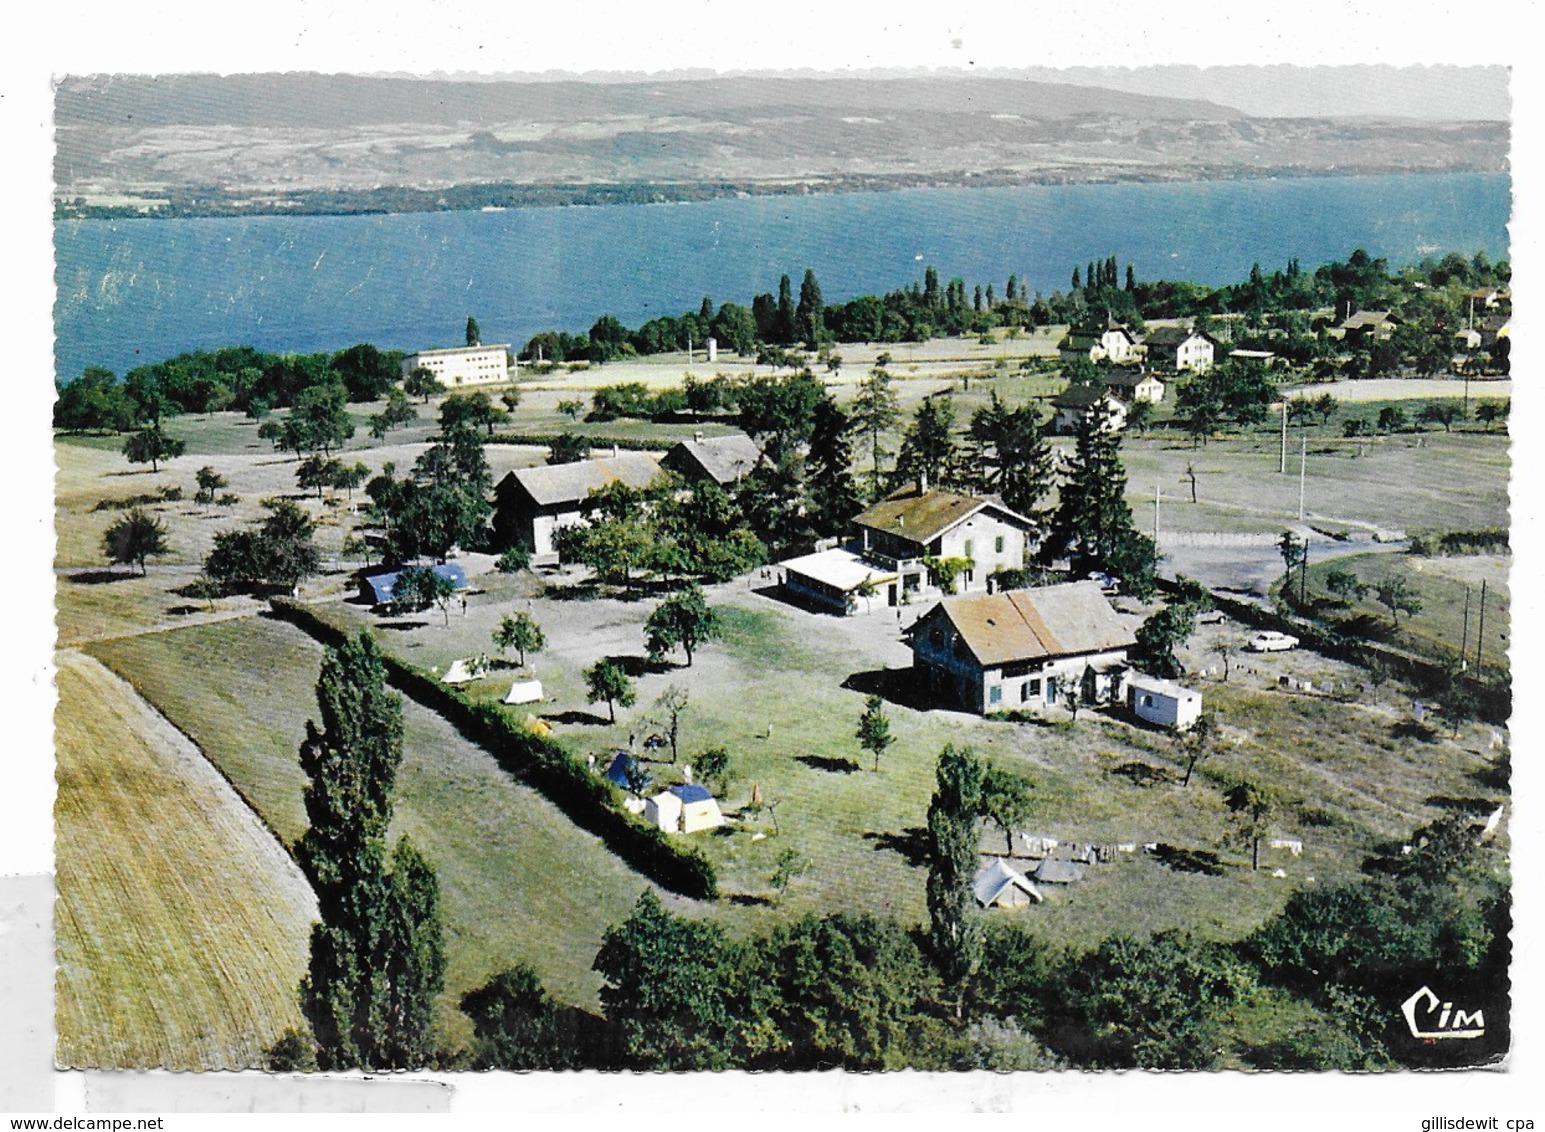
column 1430, row 1017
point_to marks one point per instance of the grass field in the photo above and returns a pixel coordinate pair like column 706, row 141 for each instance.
column 786, row 707
column 1440, row 583
column 182, row 926
column 519, row 881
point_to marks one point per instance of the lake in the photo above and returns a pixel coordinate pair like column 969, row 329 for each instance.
column 132, row 291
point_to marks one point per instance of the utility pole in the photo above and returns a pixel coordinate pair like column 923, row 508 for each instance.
column 1480, row 633
column 1302, row 460
column 1282, row 459
column 1158, row 490
column 1464, row 635
column 1303, row 575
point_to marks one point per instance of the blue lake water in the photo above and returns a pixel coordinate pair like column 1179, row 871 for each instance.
column 131, row 291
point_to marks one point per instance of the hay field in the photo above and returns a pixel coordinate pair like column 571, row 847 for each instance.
column 519, row 881
column 182, row 925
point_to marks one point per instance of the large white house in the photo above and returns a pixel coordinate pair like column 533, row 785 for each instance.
column 895, row 541
column 463, row 365
column 1180, row 349
column 1114, row 342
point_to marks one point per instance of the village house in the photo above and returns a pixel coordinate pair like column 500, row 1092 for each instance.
column 1366, row 327
column 463, row 365
column 532, row 504
column 1076, row 402
column 725, row 460
column 896, row 539
column 1114, row 343
column 1022, row 648
column 1180, row 349
column 1133, row 385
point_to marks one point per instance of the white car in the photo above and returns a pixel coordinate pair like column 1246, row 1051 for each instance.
column 1271, row 641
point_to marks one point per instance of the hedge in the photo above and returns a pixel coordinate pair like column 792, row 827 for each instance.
column 597, row 443
column 588, row 799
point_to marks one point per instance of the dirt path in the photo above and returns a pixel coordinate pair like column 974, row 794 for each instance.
column 182, row 923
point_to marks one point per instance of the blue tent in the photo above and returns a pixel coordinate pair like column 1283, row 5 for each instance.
column 691, row 792
column 377, row 588
column 624, row 768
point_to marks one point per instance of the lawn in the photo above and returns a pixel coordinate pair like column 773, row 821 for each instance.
column 783, row 689
column 1446, row 587
column 519, row 881
column 182, row 925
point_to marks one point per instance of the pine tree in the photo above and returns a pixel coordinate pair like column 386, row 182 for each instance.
column 1093, row 524
column 953, row 848
column 929, row 448
column 829, row 487
column 376, row 954
column 807, row 315
column 875, row 410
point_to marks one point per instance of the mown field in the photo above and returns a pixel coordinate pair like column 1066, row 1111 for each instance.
column 182, row 927
column 519, row 881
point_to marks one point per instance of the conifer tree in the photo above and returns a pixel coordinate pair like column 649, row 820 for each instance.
column 833, row 496
column 377, row 955
column 1093, row 525
column 929, row 448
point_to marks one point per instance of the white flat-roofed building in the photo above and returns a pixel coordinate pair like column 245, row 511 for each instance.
column 1164, row 702
column 463, row 365
column 832, row 578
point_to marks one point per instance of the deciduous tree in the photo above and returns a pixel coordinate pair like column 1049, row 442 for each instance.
column 134, row 538
column 607, row 681
column 519, row 631
column 953, row 852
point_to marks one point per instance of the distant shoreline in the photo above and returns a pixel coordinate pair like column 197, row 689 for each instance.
column 193, row 202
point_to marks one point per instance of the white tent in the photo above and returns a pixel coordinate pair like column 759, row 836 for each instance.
column 683, row 809
column 1001, row 885
column 524, row 692
column 458, row 673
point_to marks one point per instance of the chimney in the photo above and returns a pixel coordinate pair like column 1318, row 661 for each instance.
column 922, row 483
column 616, row 451
column 697, row 434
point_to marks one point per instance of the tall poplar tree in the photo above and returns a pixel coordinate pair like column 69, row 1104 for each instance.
column 955, row 930
column 377, row 956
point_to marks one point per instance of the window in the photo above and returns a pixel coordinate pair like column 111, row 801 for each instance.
column 995, row 694
column 970, row 544
column 997, row 545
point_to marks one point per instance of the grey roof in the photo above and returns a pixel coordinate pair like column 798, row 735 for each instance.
column 1129, row 378
column 381, row 586
column 570, row 483
column 1056, row 871
column 1049, row 621
column 1174, row 335
column 1079, row 396
column 724, row 459
column 995, row 877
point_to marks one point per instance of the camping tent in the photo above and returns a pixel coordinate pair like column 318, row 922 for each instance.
column 524, row 692
column 1001, row 885
column 685, row 808
column 460, row 672
column 1056, row 871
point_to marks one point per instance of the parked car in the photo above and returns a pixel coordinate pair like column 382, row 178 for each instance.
column 1211, row 617
column 1271, row 641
